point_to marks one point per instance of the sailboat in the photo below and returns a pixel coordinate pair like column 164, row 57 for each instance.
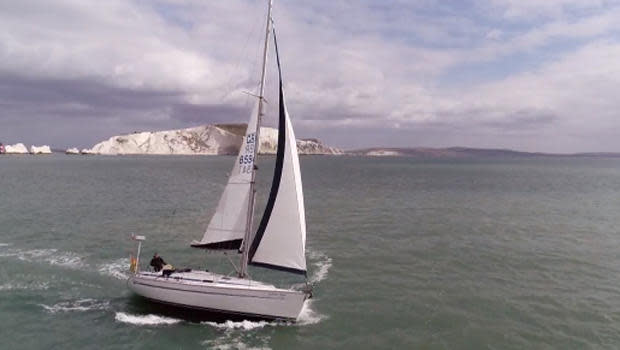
column 277, row 243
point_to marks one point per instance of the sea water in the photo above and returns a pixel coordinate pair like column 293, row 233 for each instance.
column 501, row 253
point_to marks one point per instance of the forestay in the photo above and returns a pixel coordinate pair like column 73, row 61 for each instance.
column 229, row 223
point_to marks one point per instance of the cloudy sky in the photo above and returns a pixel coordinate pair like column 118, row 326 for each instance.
column 533, row 75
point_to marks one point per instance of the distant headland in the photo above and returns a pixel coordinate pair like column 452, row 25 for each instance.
column 218, row 139
column 465, row 152
column 225, row 139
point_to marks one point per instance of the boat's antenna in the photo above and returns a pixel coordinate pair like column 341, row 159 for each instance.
column 255, row 95
column 172, row 217
column 243, row 269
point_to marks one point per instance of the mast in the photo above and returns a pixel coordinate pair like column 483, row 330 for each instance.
column 248, row 233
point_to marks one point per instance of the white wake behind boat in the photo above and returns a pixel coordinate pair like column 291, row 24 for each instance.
column 277, row 243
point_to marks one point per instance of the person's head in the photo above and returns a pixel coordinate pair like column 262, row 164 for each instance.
column 155, row 255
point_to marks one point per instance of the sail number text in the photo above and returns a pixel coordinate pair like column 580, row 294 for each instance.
column 246, row 160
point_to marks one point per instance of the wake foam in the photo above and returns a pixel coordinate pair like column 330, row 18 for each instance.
column 50, row 256
column 308, row 316
column 78, row 305
column 231, row 344
column 230, row 341
column 244, row 325
column 321, row 266
column 24, row 286
column 117, row 269
column 145, row 320
column 66, row 259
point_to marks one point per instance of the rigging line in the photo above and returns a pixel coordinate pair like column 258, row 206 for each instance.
column 243, row 57
column 275, row 44
column 258, row 52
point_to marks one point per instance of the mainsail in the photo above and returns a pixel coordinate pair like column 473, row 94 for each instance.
column 280, row 240
column 229, row 223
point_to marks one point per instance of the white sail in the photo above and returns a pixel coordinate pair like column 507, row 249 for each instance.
column 281, row 238
column 229, row 223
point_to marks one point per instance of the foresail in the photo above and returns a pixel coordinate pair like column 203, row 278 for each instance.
column 280, row 240
column 228, row 225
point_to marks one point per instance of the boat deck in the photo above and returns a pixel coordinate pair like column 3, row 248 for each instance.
column 199, row 278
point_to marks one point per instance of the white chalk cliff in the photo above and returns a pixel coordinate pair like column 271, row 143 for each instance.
column 40, row 149
column 17, row 148
column 199, row 140
column 206, row 139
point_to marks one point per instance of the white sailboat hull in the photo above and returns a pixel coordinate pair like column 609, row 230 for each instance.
column 216, row 293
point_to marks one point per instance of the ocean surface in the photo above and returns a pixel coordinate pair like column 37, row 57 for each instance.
column 404, row 253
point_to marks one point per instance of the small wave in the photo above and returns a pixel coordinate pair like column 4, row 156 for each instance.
column 24, row 286
column 145, row 320
column 78, row 305
column 228, row 342
column 5, row 244
column 117, row 269
column 322, row 265
column 233, row 345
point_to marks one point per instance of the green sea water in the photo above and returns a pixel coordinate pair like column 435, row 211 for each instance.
column 404, row 253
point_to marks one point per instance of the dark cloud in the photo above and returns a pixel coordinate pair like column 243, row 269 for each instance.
column 55, row 110
column 78, row 112
column 208, row 114
column 75, row 97
column 490, row 118
column 524, row 120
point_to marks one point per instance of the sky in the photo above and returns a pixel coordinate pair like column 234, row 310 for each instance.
column 530, row 75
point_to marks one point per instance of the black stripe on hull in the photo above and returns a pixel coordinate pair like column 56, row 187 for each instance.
column 200, row 314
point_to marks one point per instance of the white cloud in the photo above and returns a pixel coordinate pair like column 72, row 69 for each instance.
column 534, row 9
column 576, row 95
column 114, row 42
column 494, row 34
